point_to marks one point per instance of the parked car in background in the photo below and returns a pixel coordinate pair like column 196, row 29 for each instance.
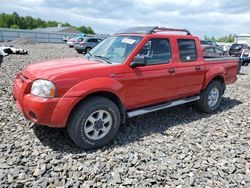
column 212, row 51
column 237, row 49
column 207, row 42
column 245, row 57
column 1, row 57
column 225, row 48
column 134, row 72
column 71, row 42
column 65, row 38
column 86, row 44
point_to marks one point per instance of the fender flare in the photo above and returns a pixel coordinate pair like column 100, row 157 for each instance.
column 94, row 85
column 79, row 92
column 217, row 71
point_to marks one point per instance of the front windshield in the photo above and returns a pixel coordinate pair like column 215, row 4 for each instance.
column 114, row 49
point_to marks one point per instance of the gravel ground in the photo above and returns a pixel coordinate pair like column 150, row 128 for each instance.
column 177, row 147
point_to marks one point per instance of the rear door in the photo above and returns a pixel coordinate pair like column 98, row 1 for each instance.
column 190, row 69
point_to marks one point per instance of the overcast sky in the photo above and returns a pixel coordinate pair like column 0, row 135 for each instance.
column 201, row 17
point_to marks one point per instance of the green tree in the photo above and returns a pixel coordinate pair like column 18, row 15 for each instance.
column 14, row 26
column 15, row 21
column 229, row 38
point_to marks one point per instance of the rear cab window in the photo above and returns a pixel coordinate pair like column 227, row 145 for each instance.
column 187, row 50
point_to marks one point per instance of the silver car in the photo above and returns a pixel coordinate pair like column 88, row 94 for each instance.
column 86, row 44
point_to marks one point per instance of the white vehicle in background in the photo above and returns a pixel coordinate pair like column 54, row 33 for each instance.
column 2, row 52
column 65, row 38
column 12, row 50
column 225, row 48
column 71, row 42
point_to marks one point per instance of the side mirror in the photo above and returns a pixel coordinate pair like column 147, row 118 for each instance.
column 138, row 61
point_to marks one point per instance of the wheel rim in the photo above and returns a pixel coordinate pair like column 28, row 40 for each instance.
column 87, row 49
column 98, row 124
column 213, row 97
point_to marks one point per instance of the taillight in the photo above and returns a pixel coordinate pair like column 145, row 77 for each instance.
column 81, row 43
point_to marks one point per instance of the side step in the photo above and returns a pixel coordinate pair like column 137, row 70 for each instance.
column 161, row 106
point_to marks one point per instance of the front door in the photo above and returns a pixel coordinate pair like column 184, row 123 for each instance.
column 153, row 83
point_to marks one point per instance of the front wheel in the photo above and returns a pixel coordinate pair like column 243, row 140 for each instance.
column 94, row 123
column 210, row 98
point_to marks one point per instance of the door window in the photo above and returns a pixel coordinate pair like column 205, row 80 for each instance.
column 156, row 51
column 187, row 50
column 92, row 40
column 209, row 50
column 218, row 51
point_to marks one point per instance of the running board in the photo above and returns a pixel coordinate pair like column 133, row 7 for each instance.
column 162, row 106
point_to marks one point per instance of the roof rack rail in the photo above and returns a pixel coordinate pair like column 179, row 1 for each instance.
column 150, row 30
column 163, row 29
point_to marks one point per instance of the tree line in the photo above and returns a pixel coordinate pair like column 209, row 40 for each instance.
column 229, row 38
column 15, row 21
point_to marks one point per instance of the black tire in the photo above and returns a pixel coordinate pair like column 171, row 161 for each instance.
column 203, row 104
column 79, row 51
column 239, row 67
column 87, row 49
column 79, row 119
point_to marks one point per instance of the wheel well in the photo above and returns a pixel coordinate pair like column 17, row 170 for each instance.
column 221, row 80
column 108, row 95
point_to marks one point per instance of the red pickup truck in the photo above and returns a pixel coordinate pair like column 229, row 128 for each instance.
column 135, row 71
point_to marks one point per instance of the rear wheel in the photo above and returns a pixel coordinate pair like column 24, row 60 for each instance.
column 87, row 49
column 94, row 123
column 210, row 97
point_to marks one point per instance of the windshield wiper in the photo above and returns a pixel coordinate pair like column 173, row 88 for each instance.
column 103, row 58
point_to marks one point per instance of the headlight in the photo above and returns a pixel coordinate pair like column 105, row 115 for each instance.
column 43, row 88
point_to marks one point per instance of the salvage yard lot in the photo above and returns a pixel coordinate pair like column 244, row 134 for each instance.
column 177, row 146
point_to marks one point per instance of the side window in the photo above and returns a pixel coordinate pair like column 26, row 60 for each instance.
column 209, row 50
column 187, row 50
column 219, row 51
column 157, row 51
column 91, row 40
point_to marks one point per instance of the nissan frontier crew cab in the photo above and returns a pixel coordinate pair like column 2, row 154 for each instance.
column 134, row 72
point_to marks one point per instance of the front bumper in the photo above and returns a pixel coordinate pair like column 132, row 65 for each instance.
column 49, row 112
column 235, row 53
column 78, row 47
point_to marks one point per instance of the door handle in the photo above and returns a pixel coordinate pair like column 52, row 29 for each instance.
column 197, row 68
column 171, row 71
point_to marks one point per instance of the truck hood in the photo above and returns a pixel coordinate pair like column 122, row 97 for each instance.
column 49, row 69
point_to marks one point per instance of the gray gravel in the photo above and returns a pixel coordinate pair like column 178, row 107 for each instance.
column 177, row 147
